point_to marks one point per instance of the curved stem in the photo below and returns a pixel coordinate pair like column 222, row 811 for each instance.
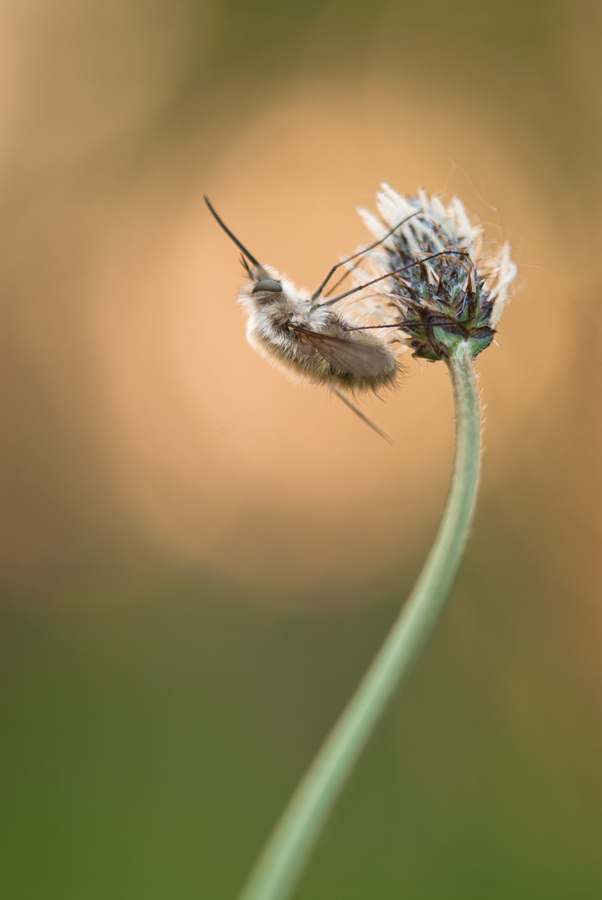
column 289, row 847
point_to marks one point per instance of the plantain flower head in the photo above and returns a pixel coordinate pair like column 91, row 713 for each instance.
column 443, row 287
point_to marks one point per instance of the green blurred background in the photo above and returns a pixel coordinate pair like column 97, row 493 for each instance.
column 198, row 558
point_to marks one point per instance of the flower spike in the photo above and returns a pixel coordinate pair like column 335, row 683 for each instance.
column 449, row 291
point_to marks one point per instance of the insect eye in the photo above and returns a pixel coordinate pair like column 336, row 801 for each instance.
column 267, row 285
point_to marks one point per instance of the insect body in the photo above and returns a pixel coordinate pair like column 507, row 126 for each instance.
column 306, row 339
column 310, row 341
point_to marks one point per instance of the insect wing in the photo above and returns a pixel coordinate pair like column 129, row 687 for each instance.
column 348, row 354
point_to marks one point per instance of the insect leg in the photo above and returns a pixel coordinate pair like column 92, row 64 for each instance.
column 359, row 262
column 418, row 262
column 344, row 262
column 361, row 415
column 345, row 275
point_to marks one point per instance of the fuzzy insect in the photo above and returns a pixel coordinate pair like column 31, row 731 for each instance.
column 305, row 338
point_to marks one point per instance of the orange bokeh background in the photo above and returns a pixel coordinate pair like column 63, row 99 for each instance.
column 199, row 558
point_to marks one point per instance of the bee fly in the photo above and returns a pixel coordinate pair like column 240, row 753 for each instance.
column 308, row 340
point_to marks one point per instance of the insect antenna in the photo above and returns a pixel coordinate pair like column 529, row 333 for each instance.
column 361, row 415
column 344, row 262
column 232, row 237
column 246, row 266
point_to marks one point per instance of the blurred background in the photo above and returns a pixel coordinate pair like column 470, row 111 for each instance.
column 198, row 558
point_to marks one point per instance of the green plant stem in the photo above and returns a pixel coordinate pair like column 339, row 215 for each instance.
column 285, row 855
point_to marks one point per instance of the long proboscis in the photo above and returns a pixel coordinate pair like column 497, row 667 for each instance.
column 232, row 237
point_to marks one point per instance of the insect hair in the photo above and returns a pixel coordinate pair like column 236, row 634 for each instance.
column 311, row 341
